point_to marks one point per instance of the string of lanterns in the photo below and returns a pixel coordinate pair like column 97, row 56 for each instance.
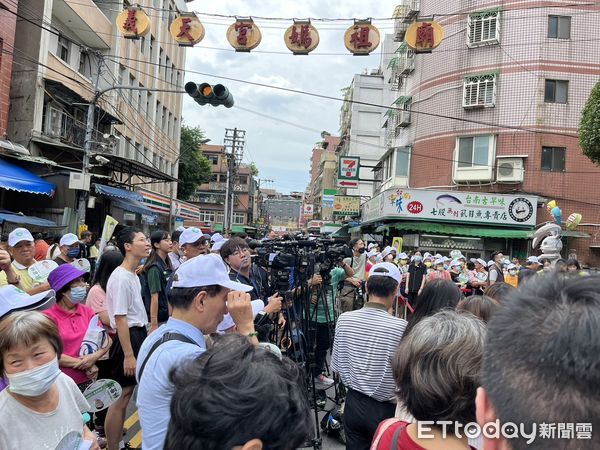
column 244, row 35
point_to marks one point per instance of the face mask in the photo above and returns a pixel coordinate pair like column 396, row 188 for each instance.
column 361, row 250
column 462, row 264
column 418, row 258
column 77, row 294
column 445, row 266
column 34, row 382
column 427, row 264
column 73, row 253
column 512, row 272
column 440, row 268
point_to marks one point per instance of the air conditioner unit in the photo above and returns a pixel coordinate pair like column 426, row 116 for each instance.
column 510, row 170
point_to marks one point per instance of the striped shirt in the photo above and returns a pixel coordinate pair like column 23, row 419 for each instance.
column 363, row 348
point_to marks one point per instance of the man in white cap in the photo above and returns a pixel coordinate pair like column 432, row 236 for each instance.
column 368, row 337
column 193, row 243
column 201, row 295
column 531, row 268
column 22, row 249
column 70, row 249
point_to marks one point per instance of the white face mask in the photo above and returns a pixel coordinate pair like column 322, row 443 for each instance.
column 512, row 272
column 34, row 382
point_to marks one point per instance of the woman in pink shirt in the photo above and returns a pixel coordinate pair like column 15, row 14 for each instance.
column 82, row 348
column 439, row 272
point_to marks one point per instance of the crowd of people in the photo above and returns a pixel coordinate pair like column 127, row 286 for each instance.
column 423, row 344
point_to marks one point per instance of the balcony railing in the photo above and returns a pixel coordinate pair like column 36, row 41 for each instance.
column 63, row 127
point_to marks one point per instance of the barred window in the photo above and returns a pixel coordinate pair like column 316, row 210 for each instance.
column 480, row 91
column 483, row 28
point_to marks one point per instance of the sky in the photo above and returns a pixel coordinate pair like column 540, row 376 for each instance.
column 280, row 151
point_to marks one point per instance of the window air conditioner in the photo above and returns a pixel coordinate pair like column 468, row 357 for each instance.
column 510, row 170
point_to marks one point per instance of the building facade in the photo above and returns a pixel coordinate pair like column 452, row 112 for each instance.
column 284, row 213
column 8, row 18
column 210, row 197
column 495, row 109
column 135, row 142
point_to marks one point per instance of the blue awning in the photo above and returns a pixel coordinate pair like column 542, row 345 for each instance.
column 133, row 206
column 114, row 192
column 6, row 216
column 16, row 178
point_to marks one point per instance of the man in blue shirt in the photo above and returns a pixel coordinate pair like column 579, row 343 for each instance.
column 201, row 295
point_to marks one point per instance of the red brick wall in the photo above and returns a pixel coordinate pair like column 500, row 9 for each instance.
column 575, row 190
column 8, row 19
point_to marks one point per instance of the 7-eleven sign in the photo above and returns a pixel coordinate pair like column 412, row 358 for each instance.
column 348, row 168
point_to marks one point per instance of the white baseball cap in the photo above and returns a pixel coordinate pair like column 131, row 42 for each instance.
column 190, row 235
column 402, row 256
column 533, row 260
column 217, row 237
column 18, row 235
column 454, row 263
column 480, row 261
column 13, row 299
column 372, row 253
column 391, row 270
column 386, row 251
column 511, row 266
column 68, row 239
column 205, row 270
column 439, row 261
column 216, row 248
column 371, row 245
column 227, row 323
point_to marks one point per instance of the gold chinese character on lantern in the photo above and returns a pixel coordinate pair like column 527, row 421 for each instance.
column 133, row 22
column 244, row 35
column 187, row 30
column 424, row 36
column 361, row 38
column 301, row 38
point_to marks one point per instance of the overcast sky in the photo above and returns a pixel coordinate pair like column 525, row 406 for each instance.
column 280, row 151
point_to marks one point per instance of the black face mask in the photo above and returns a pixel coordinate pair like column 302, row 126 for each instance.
column 361, row 250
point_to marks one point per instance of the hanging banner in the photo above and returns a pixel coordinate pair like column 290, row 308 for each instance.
column 345, row 205
column 301, row 38
column 361, row 38
column 187, row 30
column 244, row 35
column 424, row 36
column 133, row 22
column 110, row 223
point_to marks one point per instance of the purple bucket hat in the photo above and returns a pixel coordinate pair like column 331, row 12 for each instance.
column 63, row 275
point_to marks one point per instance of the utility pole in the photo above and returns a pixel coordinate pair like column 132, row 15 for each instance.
column 87, row 145
column 233, row 142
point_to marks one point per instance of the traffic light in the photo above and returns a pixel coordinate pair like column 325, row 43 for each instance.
column 204, row 94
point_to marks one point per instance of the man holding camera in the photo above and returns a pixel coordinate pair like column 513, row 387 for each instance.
column 352, row 297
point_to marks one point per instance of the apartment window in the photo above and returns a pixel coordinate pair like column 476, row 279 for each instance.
column 475, row 151
column 479, row 91
column 214, row 159
column 402, row 161
column 63, row 48
column 167, row 68
column 132, row 83
column 170, row 125
column 559, row 27
column 152, row 47
column 483, row 28
column 175, row 128
column 219, row 217
column 173, row 73
column 207, row 216
column 214, row 177
column 556, row 91
column 148, row 104
column 163, row 119
column 238, row 218
column 138, row 152
column 122, row 73
column 142, row 44
column 139, row 99
column 553, row 159
column 157, row 112
column 243, row 179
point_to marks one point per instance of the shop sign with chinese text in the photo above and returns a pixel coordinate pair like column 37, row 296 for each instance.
column 361, row 38
column 452, row 206
column 423, row 37
column 133, row 22
column 244, row 35
column 187, row 30
column 301, row 38
column 345, row 205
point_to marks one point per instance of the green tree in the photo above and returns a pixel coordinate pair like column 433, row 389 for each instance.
column 194, row 168
column 589, row 128
column 253, row 170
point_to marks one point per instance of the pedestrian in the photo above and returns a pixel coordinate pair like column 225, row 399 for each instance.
column 512, row 276
column 128, row 316
column 54, row 249
column 532, row 266
column 351, row 296
column 368, row 338
column 21, row 248
column 415, row 280
column 84, row 338
column 193, row 243
column 201, row 294
column 436, row 296
column 41, row 247
column 495, row 273
column 176, row 253
column 155, row 274
column 436, row 370
column 41, row 405
column 70, row 249
column 439, row 272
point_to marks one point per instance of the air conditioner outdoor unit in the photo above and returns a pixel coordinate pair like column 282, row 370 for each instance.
column 510, row 170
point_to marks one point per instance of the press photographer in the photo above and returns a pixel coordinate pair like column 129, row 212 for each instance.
column 352, row 295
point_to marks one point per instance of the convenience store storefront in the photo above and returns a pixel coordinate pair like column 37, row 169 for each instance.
column 442, row 221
